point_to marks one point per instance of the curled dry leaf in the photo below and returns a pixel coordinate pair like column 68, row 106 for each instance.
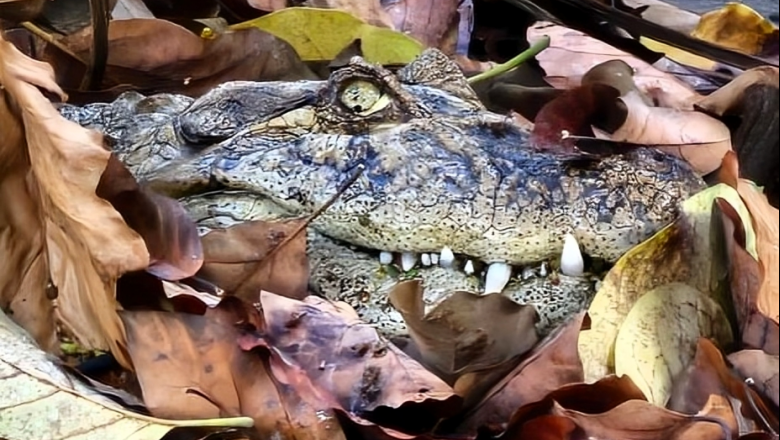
column 159, row 56
column 59, row 231
column 752, row 99
column 762, row 370
column 243, row 259
column 596, row 398
column 736, row 26
column 681, row 252
column 550, row 365
column 708, row 375
column 344, row 359
column 465, row 333
column 639, row 420
column 169, row 233
column 751, row 245
column 696, row 137
column 572, row 54
column 191, row 366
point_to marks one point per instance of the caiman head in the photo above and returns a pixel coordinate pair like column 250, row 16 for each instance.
column 438, row 174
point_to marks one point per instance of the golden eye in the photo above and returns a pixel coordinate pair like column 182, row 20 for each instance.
column 363, row 97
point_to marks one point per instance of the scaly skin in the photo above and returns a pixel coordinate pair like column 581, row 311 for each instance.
column 438, row 170
column 357, row 278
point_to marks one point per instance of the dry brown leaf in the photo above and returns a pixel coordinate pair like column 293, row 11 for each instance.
column 708, row 375
column 763, row 369
column 754, row 283
column 572, row 53
column 465, row 333
column 58, row 229
column 639, row 420
column 159, row 56
column 596, row 398
column 191, row 366
column 727, row 97
column 696, row 137
column 235, row 259
column 553, row 363
column 325, row 346
column 169, row 233
column 752, row 99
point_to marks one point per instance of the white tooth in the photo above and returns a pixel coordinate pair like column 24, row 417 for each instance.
column 434, row 258
column 528, row 273
column 447, row 257
column 497, row 276
column 543, row 269
column 408, row 260
column 469, row 268
column 425, row 259
column 571, row 257
column 385, row 257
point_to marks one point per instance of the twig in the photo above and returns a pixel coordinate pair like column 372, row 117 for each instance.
column 45, row 36
column 98, row 56
column 302, row 226
column 314, row 215
column 527, row 54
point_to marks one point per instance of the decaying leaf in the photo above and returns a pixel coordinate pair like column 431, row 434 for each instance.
column 708, row 375
column 550, row 365
column 321, row 34
column 752, row 100
column 681, row 252
column 658, row 338
column 159, row 56
column 572, row 54
column 58, row 233
column 465, row 332
column 235, row 259
column 753, row 262
column 694, row 136
column 736, row 26
column 343, row 358
column 596, row 398
column 169, row 233
column 190, row 366
column 639, row 420
column 761, row 369
column 32, row 385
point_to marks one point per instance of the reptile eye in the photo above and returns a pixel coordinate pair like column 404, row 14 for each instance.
column 363, row 97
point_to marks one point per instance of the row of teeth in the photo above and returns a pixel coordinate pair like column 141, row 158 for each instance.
column 498, row 274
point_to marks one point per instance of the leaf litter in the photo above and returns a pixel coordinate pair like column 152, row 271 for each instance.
column 304, row 367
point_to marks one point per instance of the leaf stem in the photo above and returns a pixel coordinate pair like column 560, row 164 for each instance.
column 538, row 46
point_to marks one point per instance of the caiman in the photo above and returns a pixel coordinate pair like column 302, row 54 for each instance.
column 443, row 186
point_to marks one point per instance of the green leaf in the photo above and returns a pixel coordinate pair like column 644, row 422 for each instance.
column 321, row 34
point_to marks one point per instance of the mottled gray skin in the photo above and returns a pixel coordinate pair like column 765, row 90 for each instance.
column 341, row 273
column 438, row 170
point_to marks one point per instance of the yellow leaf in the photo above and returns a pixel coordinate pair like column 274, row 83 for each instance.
column 321, row 34
column 658, row 339
column 681, row 252
column 679, row 55
column 735, row 26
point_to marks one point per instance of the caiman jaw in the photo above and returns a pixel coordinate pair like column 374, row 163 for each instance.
column 497, row 274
